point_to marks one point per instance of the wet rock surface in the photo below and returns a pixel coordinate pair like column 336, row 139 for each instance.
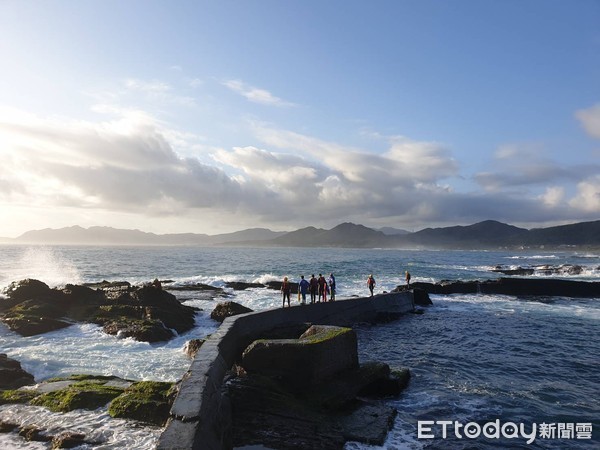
column 144, row 313
column 12, row 375
column 228, row 309
column 515, row 286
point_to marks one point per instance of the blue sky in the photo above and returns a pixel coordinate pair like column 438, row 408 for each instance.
column 217, row 116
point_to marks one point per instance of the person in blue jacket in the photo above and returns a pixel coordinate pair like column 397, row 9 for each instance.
column 331, row 287
column 303, row 287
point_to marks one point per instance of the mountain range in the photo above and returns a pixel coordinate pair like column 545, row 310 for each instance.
column 488, row 234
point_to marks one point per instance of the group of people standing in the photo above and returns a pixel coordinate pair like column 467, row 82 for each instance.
column 320, row 289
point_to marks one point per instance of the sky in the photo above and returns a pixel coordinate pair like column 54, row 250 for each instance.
column 217, row 116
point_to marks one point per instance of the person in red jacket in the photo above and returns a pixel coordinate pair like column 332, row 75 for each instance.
column 371, row 284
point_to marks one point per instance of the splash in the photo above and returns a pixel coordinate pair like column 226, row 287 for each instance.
column 46, row 264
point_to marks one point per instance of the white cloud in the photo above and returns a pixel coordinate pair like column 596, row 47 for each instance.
column 588, row 195
column 590, row 120
column 254, row 94
column 553, row 196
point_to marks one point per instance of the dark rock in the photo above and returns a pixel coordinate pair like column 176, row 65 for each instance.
column 68, row 439
column 12, row 375
column 518, row 271
column 194, row 287
column 7, row 427
column 517, row 287
column 144, row 313
column 228, row 309
column 33, row 433
column 388, row 386
column 277, row 286
column 421, row 297
column 192, row 346
column 27, row 289
column 241, row 286
column 342, row 391
column 368, row 424
column 138, row 329
column 319, row 354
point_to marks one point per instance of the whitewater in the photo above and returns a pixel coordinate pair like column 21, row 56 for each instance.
column 472, row 357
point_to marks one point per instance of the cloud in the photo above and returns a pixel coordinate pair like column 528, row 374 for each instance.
column 129, row 164
column 158, row 91
column 254, row 94
column 525, row 166
column 588, row 196
column 590, row 120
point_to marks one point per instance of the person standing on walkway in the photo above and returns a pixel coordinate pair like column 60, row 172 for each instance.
column 371, row 284
column 314, row 287
column 303, row 289
column 407, row 280
column 331, row 287
column 322, row 283
column 286, row 289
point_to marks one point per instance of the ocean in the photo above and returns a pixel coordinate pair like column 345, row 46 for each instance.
column 487, row 370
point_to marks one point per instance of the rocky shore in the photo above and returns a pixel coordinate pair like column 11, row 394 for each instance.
column 144, row 313
column 515, row 286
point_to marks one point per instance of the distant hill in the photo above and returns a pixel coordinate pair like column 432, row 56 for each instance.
column 480, row 235
column 77, row 235
column 489, row 234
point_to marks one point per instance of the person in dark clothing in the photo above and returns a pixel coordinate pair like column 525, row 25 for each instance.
column 371, row 284
column 286, row 289
column 322, row 284
column 314, row 288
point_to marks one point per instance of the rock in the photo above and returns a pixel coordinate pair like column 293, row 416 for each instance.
column 516, row 286
column 388, row 386
column 33, row 433
column 342, row 391
column 368, row 424
column 320, row 353
column 139, row 329
column 12, row 375
column 89, row 393
column 242, row 286
column 27, row 289
column 146, row 401
column 518, row 271
column 192, row 346
column 7, row 427
column 421, row 297
column 68, row 439
column 144, row 313
column 228, row 309
column 277, row 286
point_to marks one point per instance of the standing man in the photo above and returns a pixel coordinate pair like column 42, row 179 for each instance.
column 371, row 284
column 303, row 289
column 407, row 280
column 314, row 287
column 331, row 287
column 322, row 283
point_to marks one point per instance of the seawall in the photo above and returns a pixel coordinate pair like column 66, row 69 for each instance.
column 201, row 413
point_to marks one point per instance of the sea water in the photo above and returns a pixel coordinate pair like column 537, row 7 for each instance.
column 474, row 359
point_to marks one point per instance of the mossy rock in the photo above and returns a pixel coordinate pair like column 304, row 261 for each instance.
column 17, row 396
column 146, row 401
column 88, row 394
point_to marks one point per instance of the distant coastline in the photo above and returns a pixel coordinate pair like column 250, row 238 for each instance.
column 485, row 235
